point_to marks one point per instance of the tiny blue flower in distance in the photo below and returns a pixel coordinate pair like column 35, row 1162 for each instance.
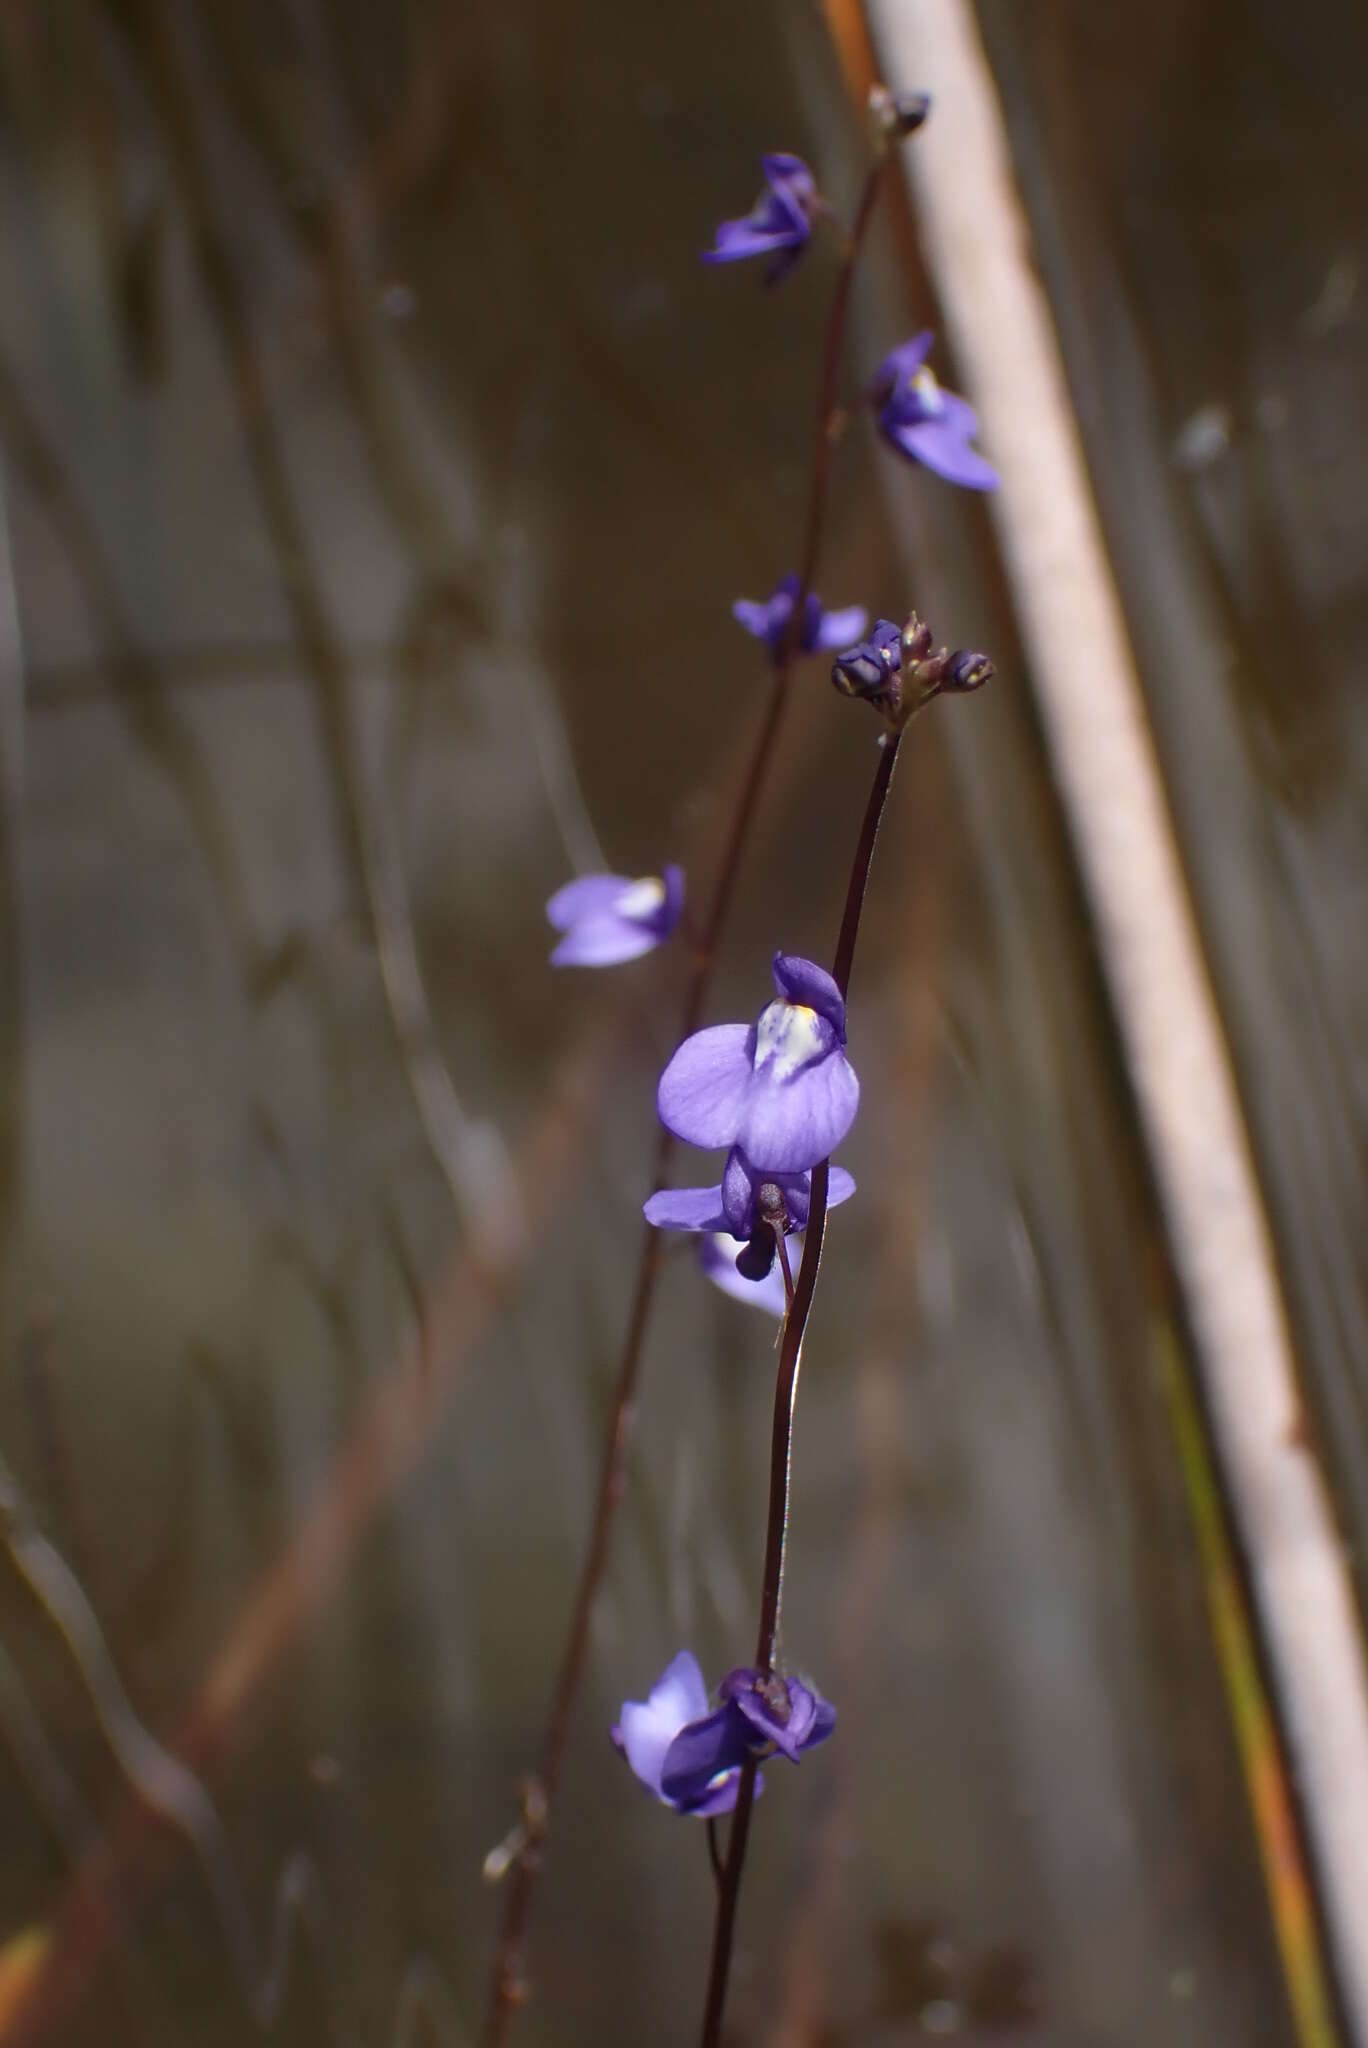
column 608, row 918
column 779, row 223
column 749, row 1205
column 761, row 1714
column 769, row 621
column 781, row 1089
column 931, row 426
column 646, row 1729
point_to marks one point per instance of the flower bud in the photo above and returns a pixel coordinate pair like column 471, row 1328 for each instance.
column 896, row 114
column 967, row 670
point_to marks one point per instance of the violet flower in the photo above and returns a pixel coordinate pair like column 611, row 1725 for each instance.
column 749, row 1204
column 778, row 225
column 781, row 1089
column 898, row 669
column 931, row 426
column 769, row 621
column 646, row 1730
column 608, row 918
column 761, row 1714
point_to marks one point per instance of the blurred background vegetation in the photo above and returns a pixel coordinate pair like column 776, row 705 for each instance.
column 379, row 465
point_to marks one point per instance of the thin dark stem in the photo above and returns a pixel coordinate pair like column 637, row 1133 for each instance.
column 714, row 1853
column 508, row 1988
column 728, row 1892
column 785, row 1398
column 864, row 856
column 785, row 1268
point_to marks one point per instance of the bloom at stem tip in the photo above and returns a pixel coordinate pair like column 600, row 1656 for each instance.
column 768, row 620
column 898, row 669
column 778, row 225
column 926, row 423
column 610, row 918
column 780, row 1090
column 690, row 1758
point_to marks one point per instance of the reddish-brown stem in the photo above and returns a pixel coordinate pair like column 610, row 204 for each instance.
column 785, row 1399
column 508, row 1987
column 782, row 1248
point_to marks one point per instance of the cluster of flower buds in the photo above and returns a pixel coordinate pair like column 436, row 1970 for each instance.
column 898, row 669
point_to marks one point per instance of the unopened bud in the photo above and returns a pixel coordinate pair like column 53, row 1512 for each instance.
column 896, row 114
column 917, row 639
column 967, row 670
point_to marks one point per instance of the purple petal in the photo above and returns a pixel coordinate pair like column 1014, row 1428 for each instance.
column 782, row 168
column 738, row 1195
column 702, row 1092
column 823, row 1723
column 671, row 910
column 718, row 1742
column 646, row 1729
column 941, row 448
column 840, row 1187
column 686, row 1209
column 784, row 1712
column 904, row 361
column 793, row 1123
column 843, row 628
column 584, row 898
column 604, row 942
column 759, row 619
column 803, row 981
column 721, row 1799
column 717, row 1256
column 737, row 239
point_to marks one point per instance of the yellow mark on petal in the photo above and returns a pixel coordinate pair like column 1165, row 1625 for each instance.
column 923, row 382
column 644, row 896
column 787, row 1036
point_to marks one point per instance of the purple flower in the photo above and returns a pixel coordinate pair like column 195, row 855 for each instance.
column 781, row 1089
column 932, row 426
column 761, row 1714
column 750, row 1205
column 779, row 223
column 868, row 669
column 898, row 669
column 769, row 621
column 646, row 1730
column 691, row 1759
column 607, row 918
column 717, row 1257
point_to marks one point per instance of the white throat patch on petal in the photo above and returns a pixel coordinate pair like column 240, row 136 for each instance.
column 787, row 1036
column 923, row 382
column 642, row 899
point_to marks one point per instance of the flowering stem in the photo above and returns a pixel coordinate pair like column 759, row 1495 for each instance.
column 508, row 1987
column 785, row 1398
